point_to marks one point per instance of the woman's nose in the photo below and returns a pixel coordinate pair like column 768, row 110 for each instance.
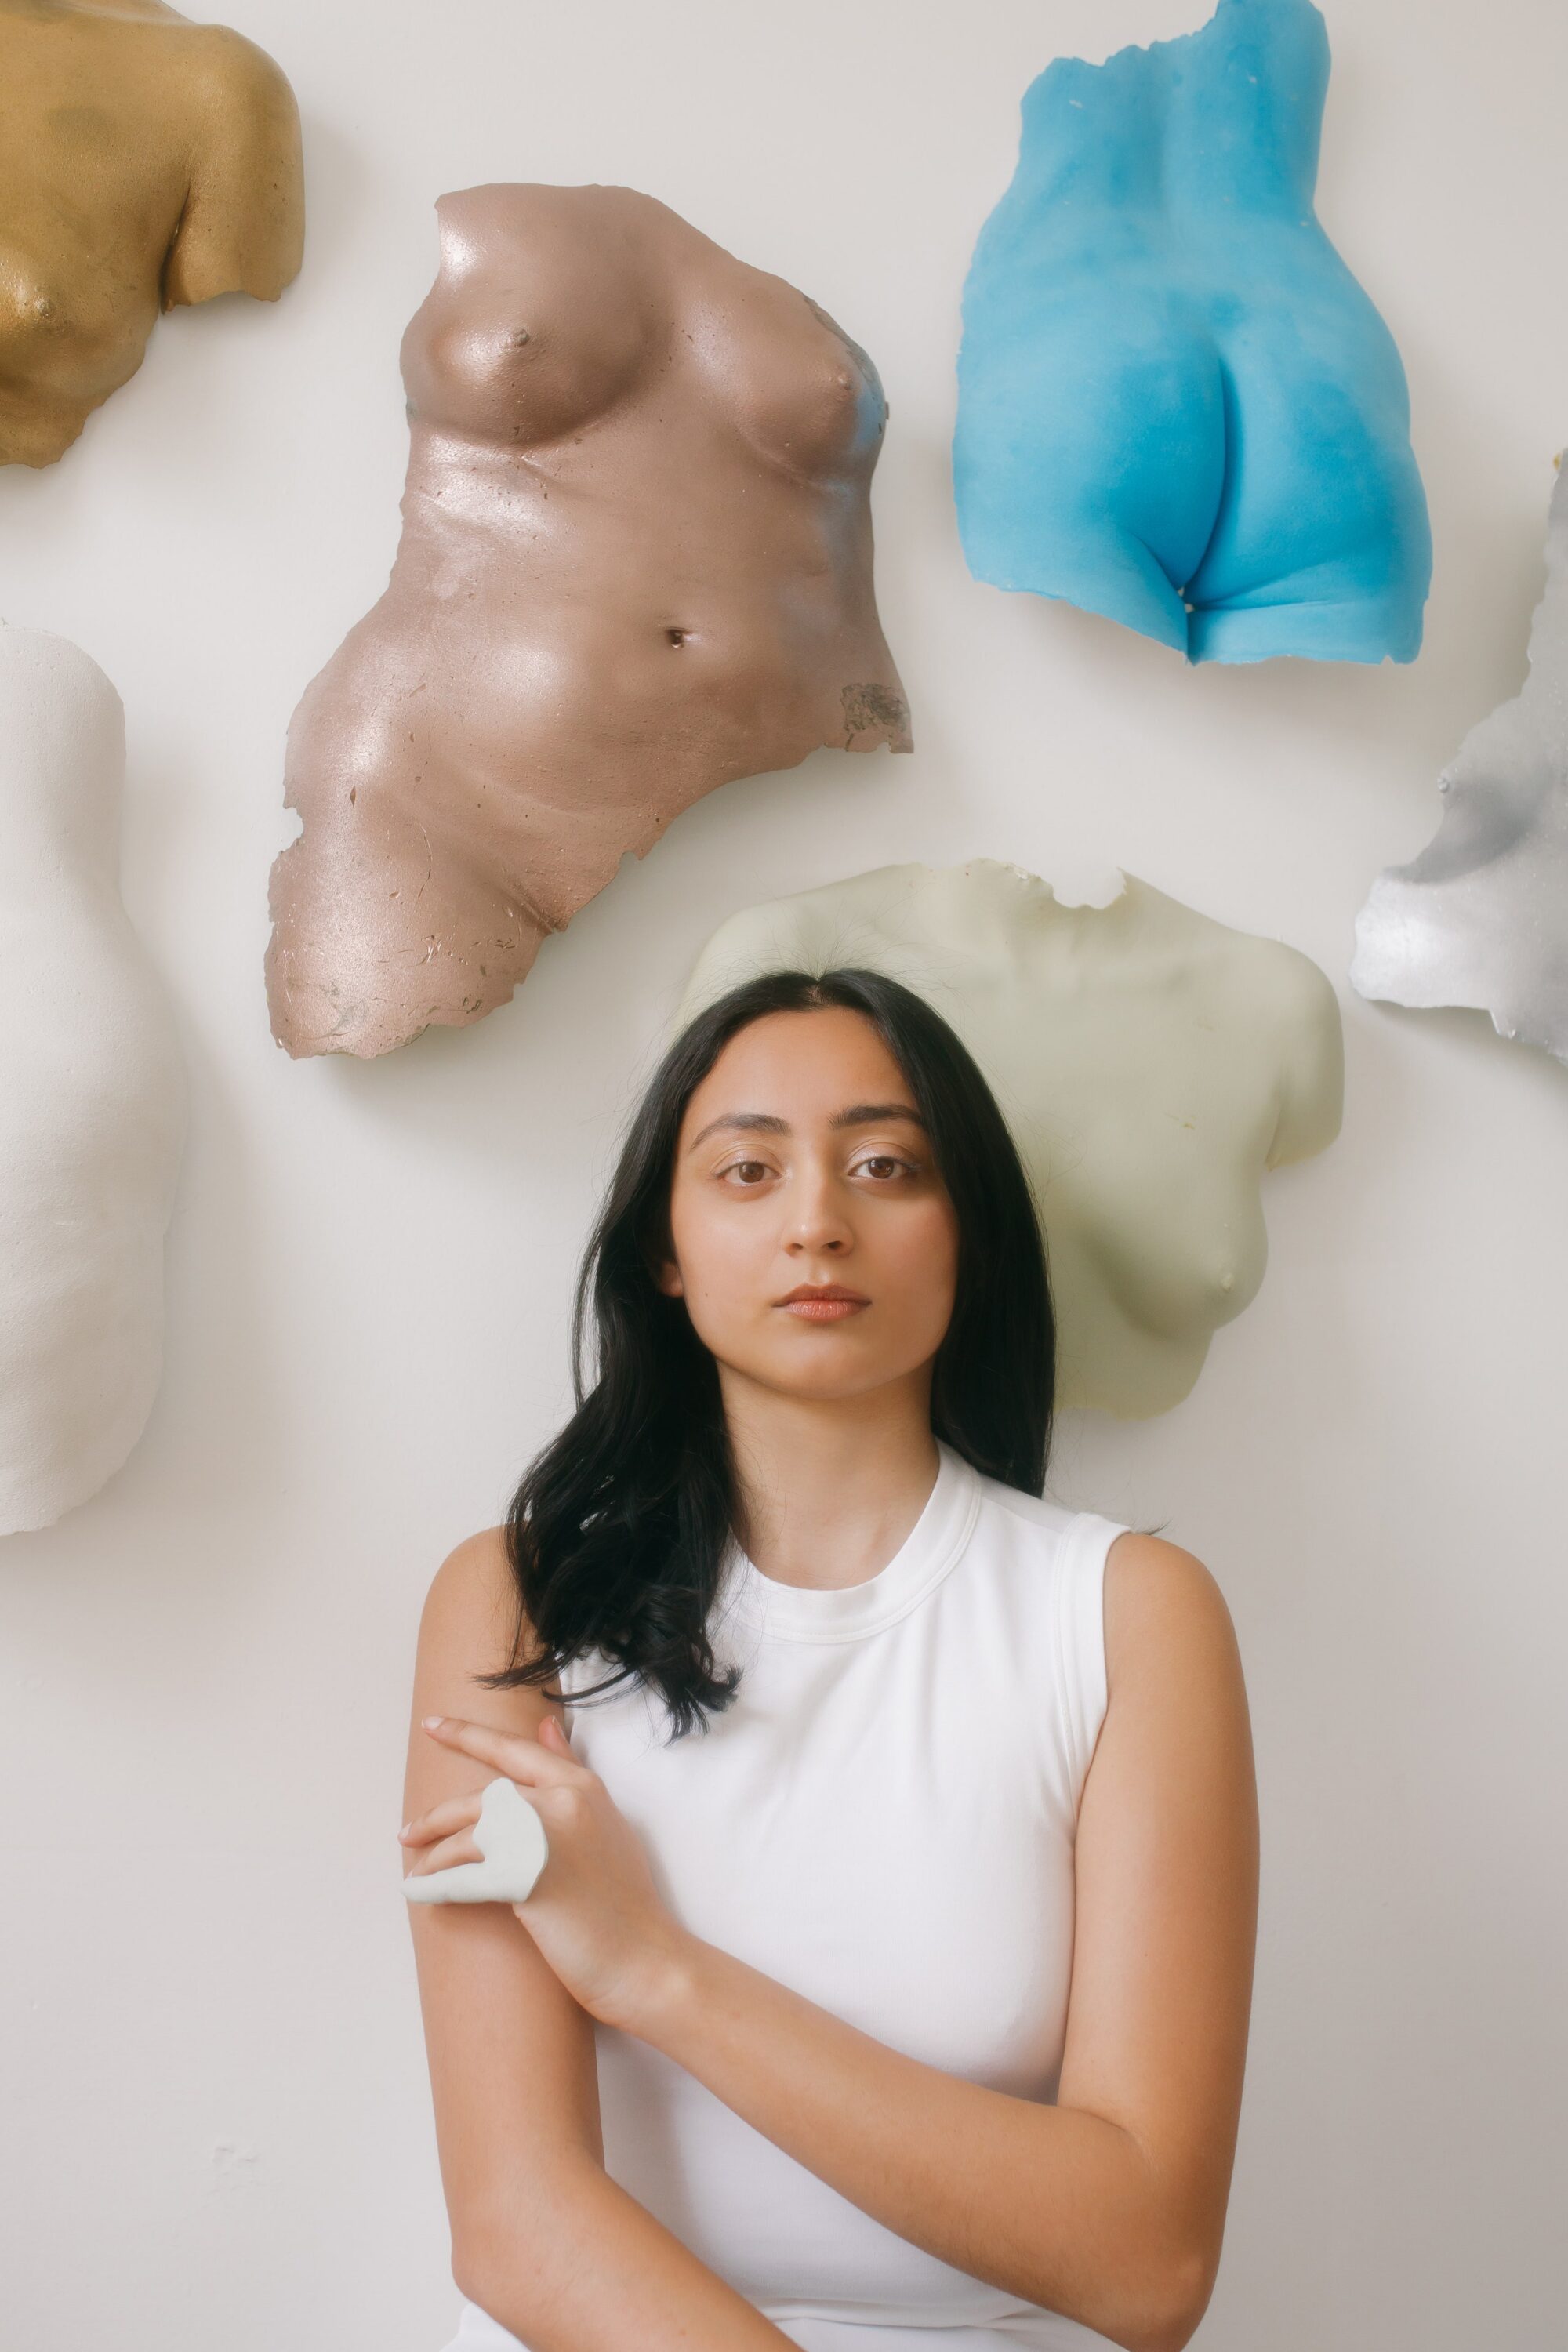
column 818, row 1220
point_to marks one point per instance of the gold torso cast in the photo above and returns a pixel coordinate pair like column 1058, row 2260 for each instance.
column 144, row 160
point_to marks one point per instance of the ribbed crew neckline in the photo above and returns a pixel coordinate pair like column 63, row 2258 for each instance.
column 804, row 1613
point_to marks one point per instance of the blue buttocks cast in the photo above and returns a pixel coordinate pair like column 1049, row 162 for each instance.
column 1176, row 406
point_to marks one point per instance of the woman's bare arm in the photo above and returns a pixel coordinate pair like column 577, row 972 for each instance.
column 543, row 2240
column 1109, row 2206
column 1167, row 1883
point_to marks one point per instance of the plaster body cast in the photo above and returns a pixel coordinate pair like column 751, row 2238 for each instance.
column 1481, row 918
column 636, row 563
column 92, row 1097
column 144, row 162
column 510, row 1836
column 1176, row 406
column 1151, row 1064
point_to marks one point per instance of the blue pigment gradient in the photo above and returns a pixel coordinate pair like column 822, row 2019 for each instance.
column 1176, row 406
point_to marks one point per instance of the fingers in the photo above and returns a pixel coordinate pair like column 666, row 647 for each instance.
column 443, row 1819
column 447, row 1852
column 520, row 1758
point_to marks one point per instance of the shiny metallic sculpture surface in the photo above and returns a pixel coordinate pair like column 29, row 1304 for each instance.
column 144, row 162
column 636, row 563
column 1481, row 918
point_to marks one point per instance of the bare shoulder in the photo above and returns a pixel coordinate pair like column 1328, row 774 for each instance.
column 511, row 2053
column 472, row 1623
column 474, row 1590
column 1166, row 1619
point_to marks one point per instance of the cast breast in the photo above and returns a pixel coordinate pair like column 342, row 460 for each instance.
column 539, row 321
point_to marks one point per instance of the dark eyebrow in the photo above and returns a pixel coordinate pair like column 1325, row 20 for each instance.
column 752, row 1121
column 766, row 1122
column 868, row 1114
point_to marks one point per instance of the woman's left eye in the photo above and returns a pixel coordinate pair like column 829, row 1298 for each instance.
column 882, row 1165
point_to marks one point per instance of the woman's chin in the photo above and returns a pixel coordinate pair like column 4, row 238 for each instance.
column 823, row 1370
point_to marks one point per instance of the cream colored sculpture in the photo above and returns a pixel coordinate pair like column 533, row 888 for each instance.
column 1151, row 1064
column 510, row 1836
column 91, row 1096
column 144, row 162
column 636, row 563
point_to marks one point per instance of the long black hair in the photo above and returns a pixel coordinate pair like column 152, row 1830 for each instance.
column 617, row 1533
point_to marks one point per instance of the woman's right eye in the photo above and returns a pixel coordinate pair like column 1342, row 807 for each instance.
column 749, row 1171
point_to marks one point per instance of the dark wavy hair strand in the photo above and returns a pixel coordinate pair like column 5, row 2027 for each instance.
column 618, row 1530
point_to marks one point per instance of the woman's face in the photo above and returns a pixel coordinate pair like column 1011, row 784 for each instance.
column 814, row 1243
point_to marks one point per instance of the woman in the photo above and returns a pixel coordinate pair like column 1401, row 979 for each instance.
column 854, row 1757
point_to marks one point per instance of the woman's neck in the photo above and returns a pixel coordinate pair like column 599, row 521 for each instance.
column 828, row 1489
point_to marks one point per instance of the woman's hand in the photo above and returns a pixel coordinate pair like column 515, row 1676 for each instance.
column 594, row 1912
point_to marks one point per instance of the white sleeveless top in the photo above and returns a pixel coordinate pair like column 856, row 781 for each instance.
column 883, row 1819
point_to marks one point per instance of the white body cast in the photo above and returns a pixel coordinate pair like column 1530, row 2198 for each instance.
column 91, row 1096
column 510, row 1836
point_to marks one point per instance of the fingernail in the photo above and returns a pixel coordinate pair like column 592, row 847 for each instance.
column 403, row 1832
column 434, row 1722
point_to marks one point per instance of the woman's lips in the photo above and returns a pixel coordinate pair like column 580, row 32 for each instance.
column 823, row 1306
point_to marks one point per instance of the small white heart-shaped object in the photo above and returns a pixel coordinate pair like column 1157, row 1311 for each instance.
column 510, row 1835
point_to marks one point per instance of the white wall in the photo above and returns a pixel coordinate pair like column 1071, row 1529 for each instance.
column 216, row 2125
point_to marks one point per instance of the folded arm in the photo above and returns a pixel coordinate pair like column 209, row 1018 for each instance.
column 543, row 2240
column 1109, row 2206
